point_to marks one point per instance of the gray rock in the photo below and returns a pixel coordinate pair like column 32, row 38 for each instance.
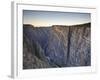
column 57, row 46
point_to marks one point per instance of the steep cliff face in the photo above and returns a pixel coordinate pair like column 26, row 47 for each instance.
column 79, row 46
column 56, row 46
column 33, row 54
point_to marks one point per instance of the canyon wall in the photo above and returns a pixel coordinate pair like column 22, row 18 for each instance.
column 56, row 46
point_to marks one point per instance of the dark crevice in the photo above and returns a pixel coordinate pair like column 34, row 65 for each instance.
column 69, row 42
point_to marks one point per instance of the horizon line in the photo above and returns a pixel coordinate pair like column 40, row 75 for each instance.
column 59, row 25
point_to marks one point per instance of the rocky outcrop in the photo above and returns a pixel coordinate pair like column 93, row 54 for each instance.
column 56, row 46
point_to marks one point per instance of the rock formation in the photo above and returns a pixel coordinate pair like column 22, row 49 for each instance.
column 56, row 46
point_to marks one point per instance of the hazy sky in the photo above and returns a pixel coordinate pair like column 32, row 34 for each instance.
column 48, row 18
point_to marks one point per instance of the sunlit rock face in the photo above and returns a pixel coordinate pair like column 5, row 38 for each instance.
column 56, row 46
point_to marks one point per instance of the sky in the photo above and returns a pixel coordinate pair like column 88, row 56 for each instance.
column 49, row 18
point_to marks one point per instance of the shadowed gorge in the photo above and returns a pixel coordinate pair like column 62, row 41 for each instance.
column 56, row 46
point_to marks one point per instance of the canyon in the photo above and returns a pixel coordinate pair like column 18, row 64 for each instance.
column 56, row 46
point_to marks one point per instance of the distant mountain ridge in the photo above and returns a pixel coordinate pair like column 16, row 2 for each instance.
column 56, row 25
column 56, row 46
